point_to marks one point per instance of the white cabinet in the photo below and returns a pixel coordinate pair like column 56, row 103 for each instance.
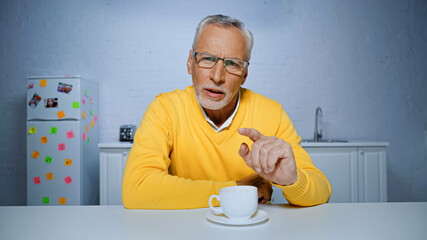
column 112, row 165
column 372, row 174
column 340, row 167
column 356, row 171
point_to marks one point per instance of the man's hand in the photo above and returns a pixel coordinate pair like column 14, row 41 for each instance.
column 264, row 187
column 271, row 157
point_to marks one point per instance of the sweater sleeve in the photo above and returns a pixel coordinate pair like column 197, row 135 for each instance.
column 312, row 187
column 147, row 183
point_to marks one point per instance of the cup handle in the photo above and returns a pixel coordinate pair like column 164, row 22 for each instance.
column 215, row 210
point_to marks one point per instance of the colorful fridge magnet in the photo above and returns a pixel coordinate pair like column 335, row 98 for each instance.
column 62, row 201
column 61, row 114
column 65, row 88
column 49, row 176
column 48, row 159
column 68, row 180
column 91, row 112
column 32, row 130
column 95, row 118
column 86, row 93
column 84, row 136
column 87, row 128
column 31, row 85
column 51, row 103
column 43, row 83
column 68, row 162
column 61, row 147
column 70, row 134
column 43, row 139
column 88, row 140
column 76, row 105
column 36, row 180
column 83, row 100
column 46, row 200
column 90, row 100
column 34, row 101
column 53, row 130
column 84, row 115
column 92, row 123
column 35, row 154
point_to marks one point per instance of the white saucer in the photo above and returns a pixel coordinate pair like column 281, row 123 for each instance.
column 259, row 216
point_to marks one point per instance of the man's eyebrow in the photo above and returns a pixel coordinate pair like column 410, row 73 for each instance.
column 237, row 58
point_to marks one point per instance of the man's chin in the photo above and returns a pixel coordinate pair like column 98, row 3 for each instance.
column 212, row 105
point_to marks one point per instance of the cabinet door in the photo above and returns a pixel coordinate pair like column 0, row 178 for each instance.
column 112, row 166
column 340, row 167
column 372, row 174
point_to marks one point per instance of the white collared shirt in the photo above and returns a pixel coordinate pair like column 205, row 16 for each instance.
column 227, row 122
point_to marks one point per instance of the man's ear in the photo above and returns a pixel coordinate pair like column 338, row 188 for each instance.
column 189, row 61
column 245, row 76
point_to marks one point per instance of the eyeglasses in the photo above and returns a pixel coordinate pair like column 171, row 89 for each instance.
column 233, row 66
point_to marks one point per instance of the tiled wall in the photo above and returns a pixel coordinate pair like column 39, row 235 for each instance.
column 362, row 62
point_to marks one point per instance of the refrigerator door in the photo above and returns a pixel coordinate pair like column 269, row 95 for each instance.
column 53, row 162
column 53, row 98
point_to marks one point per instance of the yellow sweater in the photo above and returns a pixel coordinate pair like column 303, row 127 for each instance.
column 177, row 160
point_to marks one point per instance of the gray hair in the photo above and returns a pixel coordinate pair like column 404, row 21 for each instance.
column 226, row 21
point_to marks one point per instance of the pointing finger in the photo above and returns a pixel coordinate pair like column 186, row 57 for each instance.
column 251, row 133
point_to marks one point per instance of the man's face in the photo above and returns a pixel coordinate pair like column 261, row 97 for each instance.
column 215, row 87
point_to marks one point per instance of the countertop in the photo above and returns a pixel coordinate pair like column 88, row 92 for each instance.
column 303, row 144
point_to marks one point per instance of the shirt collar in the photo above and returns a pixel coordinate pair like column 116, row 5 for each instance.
column 227, row 122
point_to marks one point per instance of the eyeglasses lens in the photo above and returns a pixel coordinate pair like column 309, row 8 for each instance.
column 234, row 66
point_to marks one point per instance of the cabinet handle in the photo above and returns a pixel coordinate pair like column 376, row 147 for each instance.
column 362, row 153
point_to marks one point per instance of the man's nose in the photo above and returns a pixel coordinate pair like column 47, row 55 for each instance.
column 218, row 72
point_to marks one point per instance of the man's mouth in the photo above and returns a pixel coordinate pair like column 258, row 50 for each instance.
column 213, row 93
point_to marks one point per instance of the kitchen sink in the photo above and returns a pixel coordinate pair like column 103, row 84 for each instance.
column 318, row 131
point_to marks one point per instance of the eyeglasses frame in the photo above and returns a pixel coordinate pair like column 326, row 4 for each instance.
column 246, row 63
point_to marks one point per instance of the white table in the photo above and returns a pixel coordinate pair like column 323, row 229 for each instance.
column 328, row 221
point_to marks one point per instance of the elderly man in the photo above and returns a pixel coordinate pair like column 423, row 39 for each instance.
column 216, row 134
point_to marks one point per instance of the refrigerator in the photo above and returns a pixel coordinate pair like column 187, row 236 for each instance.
column 62, row 138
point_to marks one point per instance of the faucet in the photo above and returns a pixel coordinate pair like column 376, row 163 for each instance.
column 317, row 129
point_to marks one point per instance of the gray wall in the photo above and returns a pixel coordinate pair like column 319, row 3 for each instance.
column 363, row 62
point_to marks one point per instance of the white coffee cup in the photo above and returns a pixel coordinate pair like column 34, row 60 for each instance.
column 238, row 203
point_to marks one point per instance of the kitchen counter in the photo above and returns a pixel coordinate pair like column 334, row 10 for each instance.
column 345, row 144
column 303, row 144
column 110, row 145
